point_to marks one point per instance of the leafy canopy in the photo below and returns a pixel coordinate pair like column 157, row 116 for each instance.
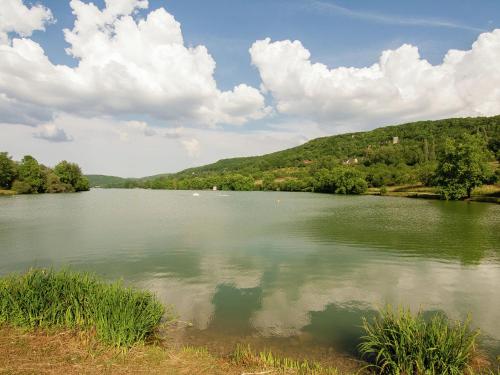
column 463, row 165
column 30, row 177
column 70, row 173
column 8, row 171
column 32, row 174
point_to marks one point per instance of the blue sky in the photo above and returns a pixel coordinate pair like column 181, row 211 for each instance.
column 229, row 27
column 90, row 106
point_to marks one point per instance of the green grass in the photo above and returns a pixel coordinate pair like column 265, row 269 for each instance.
column 398, row 342
column 44, row 298
column 244, row 355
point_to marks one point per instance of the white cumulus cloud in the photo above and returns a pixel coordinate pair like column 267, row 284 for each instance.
column 17, row 18
column 401, row 86
column 126, row 66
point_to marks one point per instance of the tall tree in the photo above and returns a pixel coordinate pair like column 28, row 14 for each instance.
column 8, row 171
column 32, row 174
column 462, row 166
column 426, row 150
column 70, row 173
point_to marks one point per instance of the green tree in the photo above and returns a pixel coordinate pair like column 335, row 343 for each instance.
column 53, row 183
column 70, row 173
column 341, row 180
column 462, row 166
column 426, row 150
column 349, row 181
column 236, row 182
column 8, row 171
column 426, row 173
column 31, row 173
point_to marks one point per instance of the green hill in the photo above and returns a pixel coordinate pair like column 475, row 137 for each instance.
column 392, row 155
column 104, row 181
column 99, row 180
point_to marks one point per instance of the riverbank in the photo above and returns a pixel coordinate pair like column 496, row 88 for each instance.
column 62, row 321
column 7, row 192
column 71, row 352
column 57, row 351
column 66, row 320
column 485, row 193
column 68, row 352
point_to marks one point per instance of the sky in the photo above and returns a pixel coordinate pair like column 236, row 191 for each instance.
column 136, row 88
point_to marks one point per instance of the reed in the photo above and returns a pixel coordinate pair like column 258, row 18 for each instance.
column 119, row 315
column 398, row 342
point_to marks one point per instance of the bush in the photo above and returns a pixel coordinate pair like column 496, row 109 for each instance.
column 342, row 180
column 402, row 343
column 453, row 191
column 54, row 185
column 22, row 187
column 41, row 298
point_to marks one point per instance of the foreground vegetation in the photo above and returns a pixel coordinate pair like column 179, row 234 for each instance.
column 93, row 317
column 245, row 355
column 455, row 155
column 68, row 352
column 29, row 177
column 42, row 298
column 398, row 342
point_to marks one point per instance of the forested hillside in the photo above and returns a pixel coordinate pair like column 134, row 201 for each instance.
column 347, row 163
column 99, row 180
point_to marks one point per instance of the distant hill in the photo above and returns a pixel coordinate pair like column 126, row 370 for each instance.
column 389, row 155
column 99, row 180
column 104, row 181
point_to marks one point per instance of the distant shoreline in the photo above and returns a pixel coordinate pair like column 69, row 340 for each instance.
column 394, row 191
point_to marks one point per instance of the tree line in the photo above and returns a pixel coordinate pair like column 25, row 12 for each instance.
column 455, row 169
column 30, row 177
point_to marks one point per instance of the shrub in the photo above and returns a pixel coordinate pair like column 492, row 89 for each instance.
column 41, row 298
column 22, row 187
column 402, row 343
column 342, row 180
column 54, row 185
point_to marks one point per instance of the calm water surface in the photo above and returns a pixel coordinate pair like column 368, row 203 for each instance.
column 297, row 267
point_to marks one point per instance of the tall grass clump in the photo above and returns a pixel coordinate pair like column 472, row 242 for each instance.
column 398, row 342
column 44, row 298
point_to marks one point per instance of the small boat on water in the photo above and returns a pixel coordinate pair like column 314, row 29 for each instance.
column 196, row 194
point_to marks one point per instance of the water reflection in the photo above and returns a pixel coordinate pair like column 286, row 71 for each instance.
column 444, row 230
column 242, row 266
column 339, row 326
column 234, row 308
